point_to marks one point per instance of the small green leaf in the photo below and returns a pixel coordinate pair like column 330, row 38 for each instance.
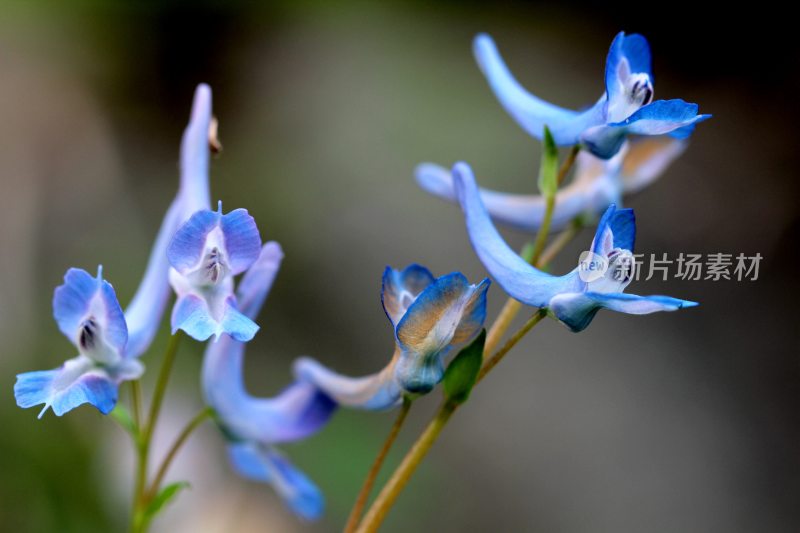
column 163, row 498
column 123, row 417
column 548, row 171
column 462, row 373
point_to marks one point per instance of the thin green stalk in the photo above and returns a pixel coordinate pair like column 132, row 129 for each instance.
column 138, row 522
column 136, row 402
column 377, row 513
column 184, row 435
column 363, row 495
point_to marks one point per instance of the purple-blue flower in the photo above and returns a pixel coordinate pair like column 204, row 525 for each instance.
column 626, row 107
column 432, row 317
column 598, row 282
column 89, row 315
column 597, row 184
column 205, row 254
column 253, row 426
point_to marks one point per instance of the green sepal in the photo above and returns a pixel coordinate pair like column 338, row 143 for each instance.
column 548, row 171
column 462, row 372
column 163, row 498
column 122, row 416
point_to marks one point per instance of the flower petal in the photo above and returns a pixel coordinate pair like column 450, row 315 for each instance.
column 400, row 288
column 195, row 155
column 429, row 327
column 530, row 112
column 266, row 465
column 593, row 188
column 374, row 392
column 296, row 413
column 616, row 229
column 658, row 118
column 193, row 315
column 518, row 278
column 242, row 240
column 186, row 249
column 76, row 382
column 647, row 158
column 144, row 313
column 84, row 297
column 257, row 281
column 628, row 76
column 576, row 310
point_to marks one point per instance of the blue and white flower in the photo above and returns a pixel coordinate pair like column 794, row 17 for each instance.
column 626, row 108
column 432, row 318
column 573, row 298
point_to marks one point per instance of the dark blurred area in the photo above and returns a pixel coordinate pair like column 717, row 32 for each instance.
column 670, row 422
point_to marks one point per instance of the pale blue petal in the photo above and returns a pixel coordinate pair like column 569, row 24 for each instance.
column 188, row 244
column 144, row 313
column 195, row 155
column 191, row 314
column 76, row 382
column 657, row 118
column 430, row 325
column 257, row 281
column 296, row 413
column 530, row 112
column 635, row 51
column 576, row 310
column 83, row 297
column 374, row 392
column 591, row 191
column 236, row 324
column 242, row 240
column 616, row 229
column 399, row 289
column 518, row 278
column 267, row 465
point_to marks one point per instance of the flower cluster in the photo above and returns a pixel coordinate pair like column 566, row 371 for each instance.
column 627, row 140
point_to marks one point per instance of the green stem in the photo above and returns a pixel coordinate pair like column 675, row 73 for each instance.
column 184, row 435
column 377, row 513
column 136, row 401
column 400, row 477
column 567, row 164
column 141, row 499
column 363, row 495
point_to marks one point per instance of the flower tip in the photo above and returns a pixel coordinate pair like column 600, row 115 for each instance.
column 99, row 272
column 687, row 303
column 219, row 206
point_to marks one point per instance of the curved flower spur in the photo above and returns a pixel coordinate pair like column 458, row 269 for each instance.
column 432, row 317
column 252, row 426
column 573, row 298
column 597, row 184
column 626, row 108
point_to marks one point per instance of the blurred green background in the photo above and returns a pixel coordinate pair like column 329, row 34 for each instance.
column 672, row 422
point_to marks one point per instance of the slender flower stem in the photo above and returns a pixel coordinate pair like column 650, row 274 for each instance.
column 136, row 402
column 491, row 362
column 568, row 162
column 363, row 496
column 184, row 435
column 388, row 495
column 377, row 513
column 140, row 495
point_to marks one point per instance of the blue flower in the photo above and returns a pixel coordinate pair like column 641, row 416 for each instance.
column 431, row 317
column 206, row 253
column 576, row 297
column 88, row 314
column 597, row 184
column 253, row 425
column 626, row 108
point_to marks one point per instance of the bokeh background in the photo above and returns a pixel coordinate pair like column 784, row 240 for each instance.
column 683, row 422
